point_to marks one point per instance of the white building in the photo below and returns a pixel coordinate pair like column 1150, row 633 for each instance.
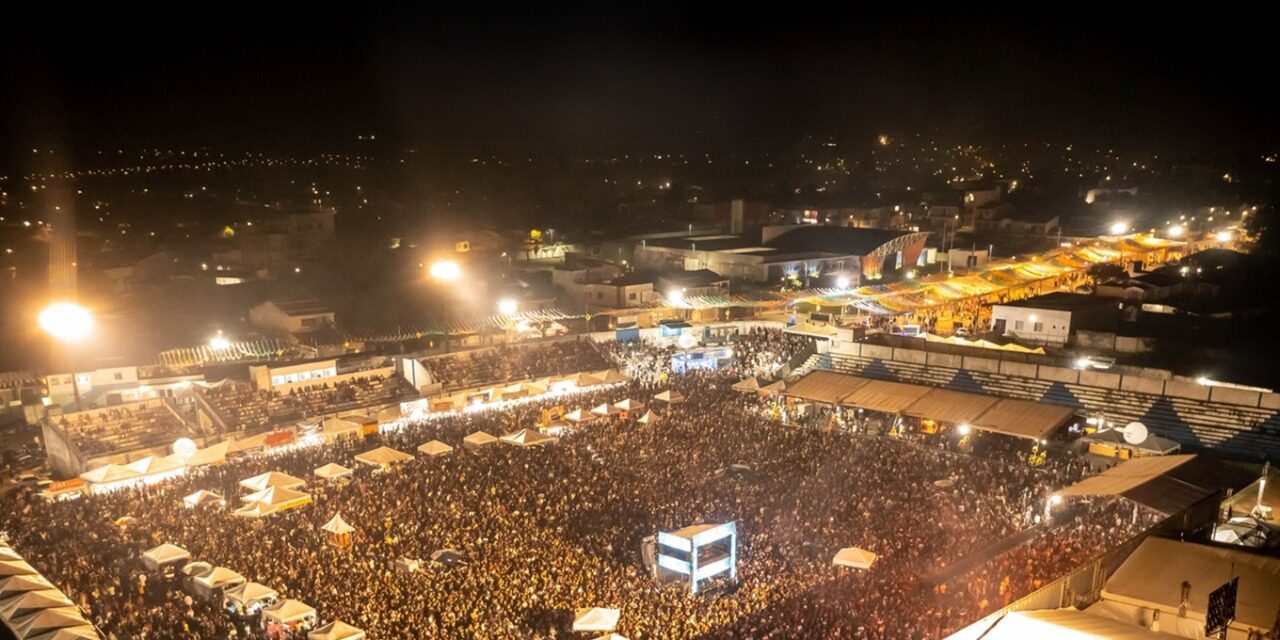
column 292, row 316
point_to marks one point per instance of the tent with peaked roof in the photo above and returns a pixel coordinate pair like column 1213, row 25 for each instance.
column 477, row 440
column 613, row 376
column 9, row 568
column 42, row 620
column 629, row 405
column 596, row 619
column 31, row 601
column 288, row 610
column 611, row 636
column 538, row 387
column 272, row 479
column 249, row 593
column 747, row 385
column 774, row 388
column 279, row 498
column 20, row 584
column 578, row 415
column 254, row 510
column 336, row 428
column 670, row 396
column 332, row 471
column 527, row 438
column 854, row 557
column 383, row 457
column 434, row 448
column 605, row 410
column 219, row 578
column 165, row 554
column 203, row 497
column 337, row 526
column 213, row 454
column 337, row 630
column 152, row 465
column 110, row 473
column 84, row 631
column 588, row 380
column 649, row 417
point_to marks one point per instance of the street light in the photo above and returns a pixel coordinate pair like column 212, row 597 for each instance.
column 1175, row 231
column 965, row 429
column 445, row 270
column 1118, row 228
column 675, row 296
column 507, row 306
column 66, row 322
column 842, row 282
column 219, row 342
column 1224, row 236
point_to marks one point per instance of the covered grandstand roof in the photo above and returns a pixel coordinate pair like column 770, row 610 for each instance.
column 1024, row 418
column 886, row 397
column 825, row 387
column 955, row 407
column 1068, row 624
column 1167, row 484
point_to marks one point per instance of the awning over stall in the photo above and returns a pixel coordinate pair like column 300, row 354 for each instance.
column 1024, row 418
column 951, row 407
column 885, row 397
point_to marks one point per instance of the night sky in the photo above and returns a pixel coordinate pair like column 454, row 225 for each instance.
column 646, row 76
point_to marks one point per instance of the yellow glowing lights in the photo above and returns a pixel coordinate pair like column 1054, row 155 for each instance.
column 445, row 270
column 66, row 321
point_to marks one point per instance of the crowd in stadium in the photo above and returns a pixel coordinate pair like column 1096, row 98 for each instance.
column 546, row 530
column 514, row 363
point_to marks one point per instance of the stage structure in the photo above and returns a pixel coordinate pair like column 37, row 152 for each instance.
column 700, row 551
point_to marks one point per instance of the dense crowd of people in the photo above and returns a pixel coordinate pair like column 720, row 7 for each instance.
column 543, row 531
column 514, row 362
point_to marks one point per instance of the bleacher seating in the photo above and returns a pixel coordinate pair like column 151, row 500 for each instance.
column 510, row 363
column 241, row 406
column 130, row 427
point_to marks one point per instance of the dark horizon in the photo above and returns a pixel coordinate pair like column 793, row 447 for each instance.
column 618, row 80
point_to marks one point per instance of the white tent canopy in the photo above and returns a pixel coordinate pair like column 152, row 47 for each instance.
column 334, row 428
column 854, row 557
column 613, row 375
column 337, row 526
column 219, row 577
column 336, row 630
column 478, row 439
column 629, row 405
column 670, row 396
column 203, row 497
column 287, row 611
column 611, row 636
column 578, row 415
column 109, row 473
column 527, row 438
column 151, row 465
column 1068, row 624
column 213, row 454
column 166, row 553
column 272, row 479
column 746, row 385
column 596, row 619
column 606, row 409
column 434, row 448
column 332, row 471
column 649, row 417
column 251, row 592
column 383, row 457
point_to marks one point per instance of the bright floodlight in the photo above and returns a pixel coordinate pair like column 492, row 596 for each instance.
column 66, row 321
column 1224, row 236
column 507, row 306
column 1118, row 228
column 445, row 270
column 965, row 429
column 219, row 343
column 1175, row 231
column 675, row 296
column 842, row 282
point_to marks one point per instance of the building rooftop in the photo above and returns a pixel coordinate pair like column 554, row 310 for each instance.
column 834, row 240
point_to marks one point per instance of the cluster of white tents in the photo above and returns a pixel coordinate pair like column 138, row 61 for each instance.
column 151, row 468
column 32, row 608
column 461, row 399
column 271, row 492
column 245, row 595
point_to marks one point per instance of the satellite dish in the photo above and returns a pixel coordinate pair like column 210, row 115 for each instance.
column 184, row 448
column 1135, row 433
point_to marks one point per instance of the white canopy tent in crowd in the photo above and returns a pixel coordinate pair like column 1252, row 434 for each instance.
column 288, row 611
column 272, row 500
column 649, row 417
column 527, row 438
column 596, row 619
column 332, row 471
column 478, row 439
column 249, row 593
column 629, row 405
column 578, row 415
column 613, row 376
column 337, row 630
column 203, row 497
column 165, row 554
column 611, row 636
column 854, row 557
column 219, row 578
column 670, row 396
column 333, row 429
column 746, row 385
column 434, row 448
column 337, row 526
column 272, row 479
column 605, row 410
column 383, row 457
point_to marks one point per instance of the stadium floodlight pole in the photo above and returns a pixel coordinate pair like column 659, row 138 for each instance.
column 68, row 323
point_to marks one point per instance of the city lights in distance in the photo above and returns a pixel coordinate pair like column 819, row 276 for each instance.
column 66, row 321
column 445, row 270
